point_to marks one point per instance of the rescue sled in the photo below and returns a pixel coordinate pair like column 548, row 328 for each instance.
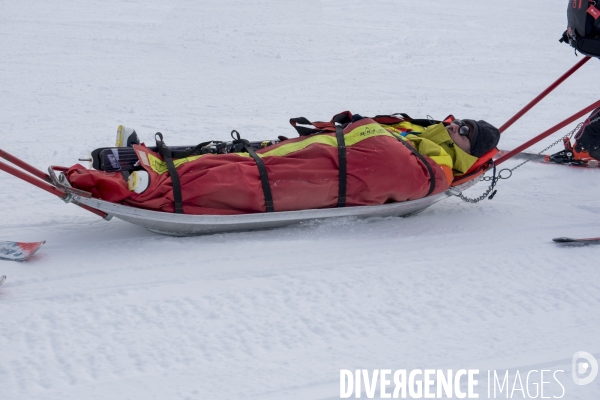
column 173, row 224
column 185, row 224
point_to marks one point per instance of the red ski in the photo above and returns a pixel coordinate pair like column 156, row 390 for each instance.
column 18, row 251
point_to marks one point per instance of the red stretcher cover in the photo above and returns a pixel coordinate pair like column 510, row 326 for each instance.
column 303, row 174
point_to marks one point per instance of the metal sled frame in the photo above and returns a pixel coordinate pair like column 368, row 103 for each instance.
column 186, row 225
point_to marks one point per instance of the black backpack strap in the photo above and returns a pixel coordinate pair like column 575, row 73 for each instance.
column 262, row 170
column 167, row 154
column 390, row 119
column 302, row 130
column 424, row 160
column 343, row 118
column 341, row 143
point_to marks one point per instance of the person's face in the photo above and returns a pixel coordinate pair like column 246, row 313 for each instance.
column 461, row 141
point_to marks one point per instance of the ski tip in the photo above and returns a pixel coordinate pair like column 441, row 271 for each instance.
column 563, row 240
column 2, row 279
column 18, row 251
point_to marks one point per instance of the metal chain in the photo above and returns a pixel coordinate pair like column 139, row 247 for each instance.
column 568, row 135
column 494, row 179
column 476, row 199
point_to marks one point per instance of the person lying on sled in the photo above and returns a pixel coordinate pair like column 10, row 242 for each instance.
column 376, row 161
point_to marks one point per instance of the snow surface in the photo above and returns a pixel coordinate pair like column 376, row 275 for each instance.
column 108, row 310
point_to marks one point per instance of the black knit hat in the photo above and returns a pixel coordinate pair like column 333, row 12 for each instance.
column 484, row 138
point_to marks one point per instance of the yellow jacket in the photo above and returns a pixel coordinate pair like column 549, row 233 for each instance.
column 435, row 142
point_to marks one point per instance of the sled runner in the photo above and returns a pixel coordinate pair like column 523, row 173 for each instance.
column 185, row 225
column 180, row 224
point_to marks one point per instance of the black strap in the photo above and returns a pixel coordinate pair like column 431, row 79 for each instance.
column 424, row 160
column 343, row 118
column 192, row 151
column 425, row 122
column 262, row 170
column 341, row 143
column 167, row 154
column 564, row 38
column 302, row 130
